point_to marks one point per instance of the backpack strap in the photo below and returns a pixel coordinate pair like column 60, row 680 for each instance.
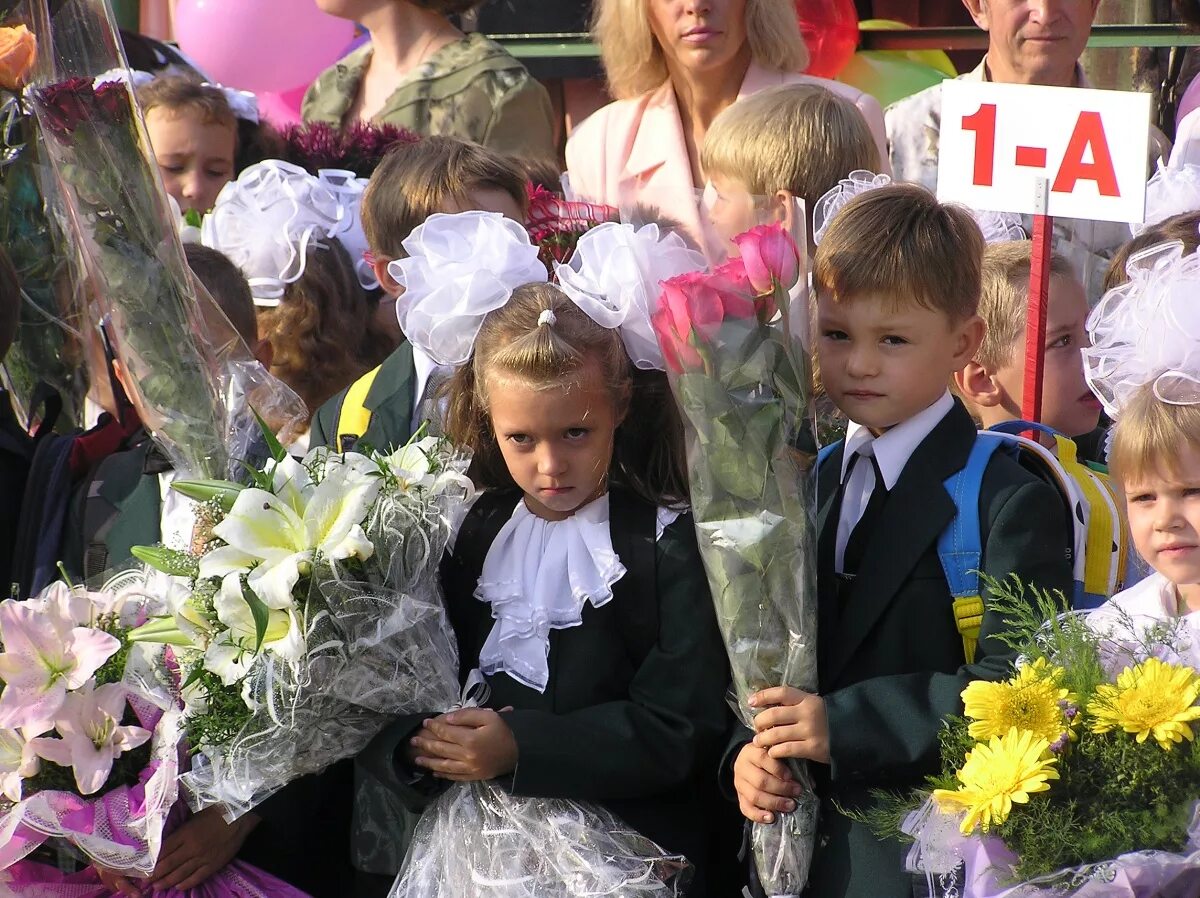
column 960, row 545
column 354, row 417
column 825, row 451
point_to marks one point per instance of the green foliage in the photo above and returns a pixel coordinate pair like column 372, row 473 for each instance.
column 224, row 716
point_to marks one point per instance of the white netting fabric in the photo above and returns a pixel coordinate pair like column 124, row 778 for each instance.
column 1171, row 191
column 615, row 274
column 997, row 227
column 1147, row 331
column 266, row 220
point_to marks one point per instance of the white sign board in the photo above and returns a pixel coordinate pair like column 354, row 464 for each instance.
column 998, row 141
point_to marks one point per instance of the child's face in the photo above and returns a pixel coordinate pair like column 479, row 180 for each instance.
column 557, row 441
column 732, row 211
column 194, row 156
column 1067, row 404
column 882, row 364
column 1164, row 518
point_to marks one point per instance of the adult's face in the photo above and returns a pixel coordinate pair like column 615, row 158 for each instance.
column 1034, row 41
column 699, row 36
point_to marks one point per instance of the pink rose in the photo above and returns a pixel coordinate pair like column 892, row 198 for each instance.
column 770, row 256
column 677, row 354
column 694, row 303
column 737, row 294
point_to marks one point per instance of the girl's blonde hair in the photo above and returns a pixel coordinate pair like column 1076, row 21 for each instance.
column 648, row 454
column 1148, row 436
column 633, row 59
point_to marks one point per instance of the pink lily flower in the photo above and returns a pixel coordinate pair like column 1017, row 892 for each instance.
column 92, row 736
column 44, row 656
column 18, row 762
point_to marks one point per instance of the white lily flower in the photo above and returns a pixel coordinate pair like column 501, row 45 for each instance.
column 411, row 465
column 18, row 761
column 231, row 654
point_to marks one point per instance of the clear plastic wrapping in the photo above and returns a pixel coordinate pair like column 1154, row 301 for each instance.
column 478, row 841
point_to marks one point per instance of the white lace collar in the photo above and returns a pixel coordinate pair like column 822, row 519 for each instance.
column 537, row 576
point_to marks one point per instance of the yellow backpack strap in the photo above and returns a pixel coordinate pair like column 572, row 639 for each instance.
column 354, row 417
column 968, row 618
column 1104, row 536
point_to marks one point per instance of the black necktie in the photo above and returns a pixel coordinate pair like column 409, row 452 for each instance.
column 856, row 545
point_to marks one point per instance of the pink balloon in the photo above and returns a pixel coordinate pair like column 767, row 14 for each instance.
column 281, row 108
column 260, row 45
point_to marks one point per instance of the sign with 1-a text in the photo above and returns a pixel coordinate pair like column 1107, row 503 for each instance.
column 998, row 141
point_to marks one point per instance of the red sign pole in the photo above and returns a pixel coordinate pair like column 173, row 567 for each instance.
column 1035, row 322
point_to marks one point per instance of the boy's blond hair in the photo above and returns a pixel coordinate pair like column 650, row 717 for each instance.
column 178, row 93
column 1003, row 302
column 416, row 180
column 898, row 242
column 1148, row 435
column 813, row 138
column 633, row 59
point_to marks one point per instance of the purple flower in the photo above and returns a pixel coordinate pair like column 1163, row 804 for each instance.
column 1059, row 745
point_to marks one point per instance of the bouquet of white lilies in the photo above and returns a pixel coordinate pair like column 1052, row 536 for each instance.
column 308, row 612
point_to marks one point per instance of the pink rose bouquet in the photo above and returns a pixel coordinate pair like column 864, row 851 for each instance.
column 732, row 343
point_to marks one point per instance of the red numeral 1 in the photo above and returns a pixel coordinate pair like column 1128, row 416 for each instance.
column 983, row 123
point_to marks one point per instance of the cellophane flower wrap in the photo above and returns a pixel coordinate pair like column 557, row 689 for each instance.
column 1079, row 775
column 733, row 339
column 188, row 370
column 89, row 741
column 312, row 614
column 47, row 349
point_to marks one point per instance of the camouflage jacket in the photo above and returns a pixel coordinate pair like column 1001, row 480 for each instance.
column 472, row 89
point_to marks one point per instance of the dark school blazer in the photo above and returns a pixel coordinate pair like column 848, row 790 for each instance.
column 634, row 710
column 390, row 401
column 891, row 661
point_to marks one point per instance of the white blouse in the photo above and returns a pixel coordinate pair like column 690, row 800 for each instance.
column 538, row 575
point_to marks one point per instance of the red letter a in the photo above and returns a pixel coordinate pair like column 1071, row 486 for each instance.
column 1089, row 132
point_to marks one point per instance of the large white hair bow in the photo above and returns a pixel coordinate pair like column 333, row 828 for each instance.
column 614, row 276
column 1171, row 191
column 1147, row 331
column 266, row 220
column 458, row 268
column 997, row 227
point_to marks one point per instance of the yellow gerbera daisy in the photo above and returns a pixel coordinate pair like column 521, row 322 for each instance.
column 998, row 774
column 1150, row 699
column 1033, row 700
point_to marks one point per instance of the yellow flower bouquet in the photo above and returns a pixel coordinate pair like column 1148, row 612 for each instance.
column 1078, row 776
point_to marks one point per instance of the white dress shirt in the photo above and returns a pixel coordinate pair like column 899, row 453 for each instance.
column 892, row 450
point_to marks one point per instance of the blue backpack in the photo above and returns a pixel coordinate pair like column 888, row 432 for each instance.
column 1099, row 533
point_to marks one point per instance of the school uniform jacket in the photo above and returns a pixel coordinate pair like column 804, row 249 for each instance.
column 891, row 661
column 634, row 710
column 390, row 401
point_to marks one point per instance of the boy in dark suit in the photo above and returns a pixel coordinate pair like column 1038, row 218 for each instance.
column 897, row 278
column 438, row 174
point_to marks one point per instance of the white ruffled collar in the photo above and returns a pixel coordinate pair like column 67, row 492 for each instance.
column 537, row 576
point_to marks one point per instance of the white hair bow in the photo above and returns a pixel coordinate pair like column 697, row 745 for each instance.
column 242, row 103
column 461, row 267
column 348, row 188
column 1171, row 191
column 266, row 220
column 614, row 275
column 1147, row 331
column 997, row 227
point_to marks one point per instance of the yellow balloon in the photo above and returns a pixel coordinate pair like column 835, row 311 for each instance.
column 935, row 59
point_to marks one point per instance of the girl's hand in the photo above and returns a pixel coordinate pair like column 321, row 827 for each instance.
column 465, row 746
column 793, row 725
column 763, row 785
column 117, row 882
column 200, row 848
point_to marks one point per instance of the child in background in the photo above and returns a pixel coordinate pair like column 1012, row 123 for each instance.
column 278, row 224
column 897, row 280
column 992, row 384
column 814, row 139
column 618, row 697
column 438, row 174
column 194, row 136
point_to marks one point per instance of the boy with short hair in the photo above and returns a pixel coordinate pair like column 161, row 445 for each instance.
column 811, row 139
column 992, row 384
column 437, row 174
column 897, row 280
